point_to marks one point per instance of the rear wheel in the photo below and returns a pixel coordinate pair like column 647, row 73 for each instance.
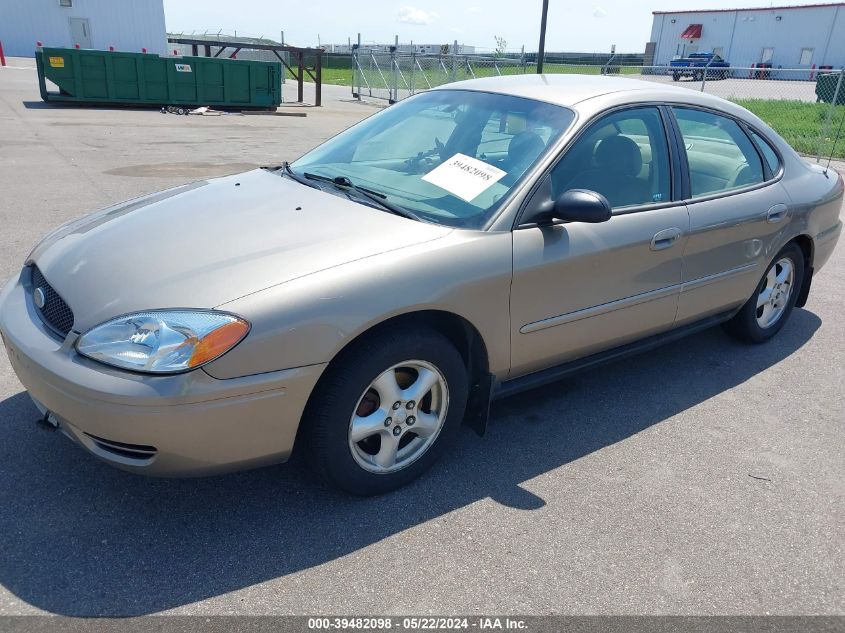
column 766, row 312
column 386, row 410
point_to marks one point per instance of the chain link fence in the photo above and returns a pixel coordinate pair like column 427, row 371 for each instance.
column 393, row 76
column 805, row 106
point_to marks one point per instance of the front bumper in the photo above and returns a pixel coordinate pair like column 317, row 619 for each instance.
column 179, row 425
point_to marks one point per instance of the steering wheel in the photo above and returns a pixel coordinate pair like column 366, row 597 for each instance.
column 422, row 161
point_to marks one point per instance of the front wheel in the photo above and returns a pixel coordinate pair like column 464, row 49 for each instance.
column 386, row 409
column 768, row 309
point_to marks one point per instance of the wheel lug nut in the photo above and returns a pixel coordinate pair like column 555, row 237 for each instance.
column 410, row 421
column 396, row 405
column 410, row 404
column 388, row 421
column 397, row 430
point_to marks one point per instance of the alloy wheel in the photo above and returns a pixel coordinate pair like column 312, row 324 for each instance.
column 398, row 417
column 776, row 292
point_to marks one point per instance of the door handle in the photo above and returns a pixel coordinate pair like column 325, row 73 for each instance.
column 665, row 239
column 777, row 213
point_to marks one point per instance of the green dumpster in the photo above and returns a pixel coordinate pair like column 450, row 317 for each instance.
column 118, row 78
column 826, row 88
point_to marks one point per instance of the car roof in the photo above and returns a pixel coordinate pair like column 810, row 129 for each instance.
column 570, row 89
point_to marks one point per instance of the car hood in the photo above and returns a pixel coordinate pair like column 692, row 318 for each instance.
column 210, row 242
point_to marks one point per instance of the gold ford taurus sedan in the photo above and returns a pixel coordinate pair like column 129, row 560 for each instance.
column 359, row 303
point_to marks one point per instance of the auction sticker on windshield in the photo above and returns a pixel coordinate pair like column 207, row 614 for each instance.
column 464, row 176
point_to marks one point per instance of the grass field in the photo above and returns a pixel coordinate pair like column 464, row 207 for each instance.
column 800, row 123
column 336, row 76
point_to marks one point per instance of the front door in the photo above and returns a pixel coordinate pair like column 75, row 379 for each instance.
column 580, row 288
column 80, row 32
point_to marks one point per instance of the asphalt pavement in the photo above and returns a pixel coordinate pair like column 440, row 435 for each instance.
column 705, row 477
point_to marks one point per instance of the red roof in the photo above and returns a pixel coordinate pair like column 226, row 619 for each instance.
column 791, row 6
column 692, row 32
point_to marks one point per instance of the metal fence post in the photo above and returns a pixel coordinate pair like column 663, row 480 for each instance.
column 413, row 67
column 356, row 92
column 704, row 74
column 829, row 117
column 454, row 73
column 393, row 91
column 357, row 61
column 318, row 78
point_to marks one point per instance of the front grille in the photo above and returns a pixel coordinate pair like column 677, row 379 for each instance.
column 55, row 312
column 139, row 452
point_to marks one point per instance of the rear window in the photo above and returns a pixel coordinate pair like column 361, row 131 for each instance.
column 768, row 153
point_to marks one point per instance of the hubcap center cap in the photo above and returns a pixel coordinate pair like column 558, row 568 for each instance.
column 400, row 416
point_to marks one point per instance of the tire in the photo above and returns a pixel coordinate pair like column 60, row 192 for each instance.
column 758, row 323
column 675, row 77
column 353, row 400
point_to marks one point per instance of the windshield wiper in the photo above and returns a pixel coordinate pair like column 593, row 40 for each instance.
column 285, row 167
column 343, row 183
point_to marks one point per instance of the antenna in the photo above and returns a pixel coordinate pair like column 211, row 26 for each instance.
column 830, row 114
column 835, row 140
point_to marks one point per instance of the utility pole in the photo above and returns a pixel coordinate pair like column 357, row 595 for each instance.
column 542, row 52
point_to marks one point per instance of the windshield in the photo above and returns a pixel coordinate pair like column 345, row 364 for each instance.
column 447, row 156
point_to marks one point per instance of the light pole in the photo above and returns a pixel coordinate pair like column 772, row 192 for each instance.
column 542, row 52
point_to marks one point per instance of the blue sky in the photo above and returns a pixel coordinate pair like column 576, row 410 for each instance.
column 587, row 25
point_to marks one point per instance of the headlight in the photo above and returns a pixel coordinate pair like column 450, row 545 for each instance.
column 163, row 341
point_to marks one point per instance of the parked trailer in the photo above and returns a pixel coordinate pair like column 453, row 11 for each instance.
column 137, row 79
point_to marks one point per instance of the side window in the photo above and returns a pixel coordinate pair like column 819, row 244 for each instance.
column 720, row 156
column 768, row 153
column 623, row 156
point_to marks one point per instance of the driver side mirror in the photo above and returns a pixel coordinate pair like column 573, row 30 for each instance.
column 574, row 205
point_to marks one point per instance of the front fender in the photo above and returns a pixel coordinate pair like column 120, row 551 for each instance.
column 310, row 319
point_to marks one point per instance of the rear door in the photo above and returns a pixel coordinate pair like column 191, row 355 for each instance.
column 737, row 209
column 580, row 288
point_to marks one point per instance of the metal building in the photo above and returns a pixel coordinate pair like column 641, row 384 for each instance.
column 128, row 25
column 787, row 37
